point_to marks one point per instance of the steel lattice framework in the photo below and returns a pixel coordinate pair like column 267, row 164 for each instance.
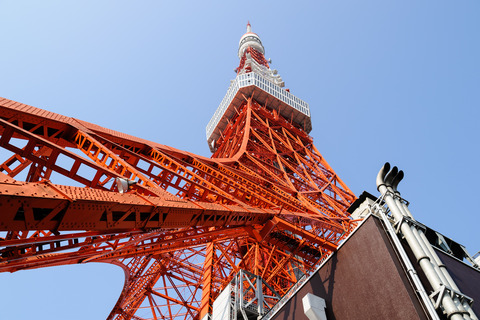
column 266, row 202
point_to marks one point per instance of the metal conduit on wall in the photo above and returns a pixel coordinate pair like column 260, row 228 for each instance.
column 446, row 293
column 439, row 265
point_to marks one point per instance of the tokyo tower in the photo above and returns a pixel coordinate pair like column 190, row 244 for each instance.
column 264, row 211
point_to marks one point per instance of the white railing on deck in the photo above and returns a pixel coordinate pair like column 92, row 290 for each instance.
column 249, row 79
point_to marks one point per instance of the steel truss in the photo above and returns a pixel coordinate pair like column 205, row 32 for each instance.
column 266, row 202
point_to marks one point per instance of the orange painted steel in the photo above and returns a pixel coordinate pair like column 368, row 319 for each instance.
column 259, row 58
column 266, row 202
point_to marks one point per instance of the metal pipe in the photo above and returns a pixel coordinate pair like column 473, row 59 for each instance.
column 437, row 264
column 427, row 248
column 408, row 265
column 390, row 176
column 397, row 180
column 393, row 189
column 442, row 269
column 453, row 312
column 424, row 243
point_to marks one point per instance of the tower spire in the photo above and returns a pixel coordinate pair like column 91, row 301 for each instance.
column 252, row 58
column 250, row 40
column 254, row 66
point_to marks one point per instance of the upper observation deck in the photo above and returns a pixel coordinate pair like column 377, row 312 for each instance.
column 266, row 93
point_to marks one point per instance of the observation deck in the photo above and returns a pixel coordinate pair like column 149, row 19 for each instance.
column 266, row 93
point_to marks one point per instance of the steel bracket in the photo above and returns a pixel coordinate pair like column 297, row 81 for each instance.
column 410, row 222
column 438, row 295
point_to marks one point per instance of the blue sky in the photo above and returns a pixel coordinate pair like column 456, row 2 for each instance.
column 390, row 81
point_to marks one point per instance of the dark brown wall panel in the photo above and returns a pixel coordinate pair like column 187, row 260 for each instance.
column 466, row 278
column 363, row 280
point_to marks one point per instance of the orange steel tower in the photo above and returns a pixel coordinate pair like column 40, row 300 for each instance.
column 181, row 226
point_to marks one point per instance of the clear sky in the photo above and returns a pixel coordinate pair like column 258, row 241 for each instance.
column 390, row 81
